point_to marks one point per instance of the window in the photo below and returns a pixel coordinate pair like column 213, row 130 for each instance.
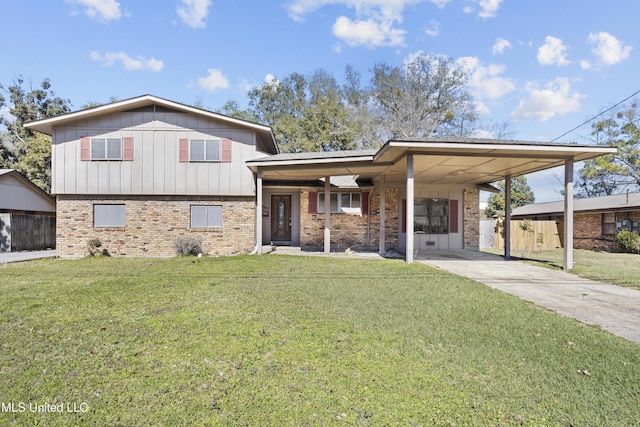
column 431, row 216
column 341, row 202
column 613, row 223
column 608, row 224
column 106, row 148
column 108, row 216
column 204, row 150
column 206, row 216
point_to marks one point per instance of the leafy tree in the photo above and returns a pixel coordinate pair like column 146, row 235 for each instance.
column 307, row 113
column 614, row 173
column 232, row 109
column 24, row 149
column 423, row 98
column 521, row 194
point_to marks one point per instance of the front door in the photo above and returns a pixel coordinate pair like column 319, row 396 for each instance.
column 281, row 218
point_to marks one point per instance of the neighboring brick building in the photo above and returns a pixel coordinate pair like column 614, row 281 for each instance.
column 597, row 220
column 138, row 174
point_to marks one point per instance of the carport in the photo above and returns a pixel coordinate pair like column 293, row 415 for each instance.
column 433, row 161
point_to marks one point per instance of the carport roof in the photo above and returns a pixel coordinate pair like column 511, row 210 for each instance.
column 436, row 160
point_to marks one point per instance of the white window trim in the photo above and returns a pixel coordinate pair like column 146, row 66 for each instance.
column 206, row 140
column 106, row 148
column 341, row 209
column 206, row 227
column 110, row 224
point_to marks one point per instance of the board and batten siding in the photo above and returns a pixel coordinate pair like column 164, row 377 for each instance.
column 155, row 168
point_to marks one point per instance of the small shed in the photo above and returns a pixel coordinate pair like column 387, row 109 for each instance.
column 27, row 214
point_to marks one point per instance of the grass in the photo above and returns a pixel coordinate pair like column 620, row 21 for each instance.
column 280, row 341
column 617, row 268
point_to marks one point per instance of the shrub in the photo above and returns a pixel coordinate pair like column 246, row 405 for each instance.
column 629, row 241
column 187, row 245
column 93, row 248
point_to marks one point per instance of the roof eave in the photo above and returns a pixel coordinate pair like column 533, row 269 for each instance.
column 46, row 125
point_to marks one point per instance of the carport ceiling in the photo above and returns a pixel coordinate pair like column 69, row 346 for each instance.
column 437, row 161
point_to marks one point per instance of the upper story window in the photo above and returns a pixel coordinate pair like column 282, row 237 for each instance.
column 204, row 150
column 106, row 148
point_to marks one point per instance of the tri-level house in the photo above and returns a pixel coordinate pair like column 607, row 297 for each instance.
column 139, row 173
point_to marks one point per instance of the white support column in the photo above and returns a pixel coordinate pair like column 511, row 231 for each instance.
column 327, row 215
column 568, row 215
column 259, row 213
column 383, row 218
column 409, row 224
column 507, row 217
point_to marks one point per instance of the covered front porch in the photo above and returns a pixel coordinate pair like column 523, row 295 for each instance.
column 417, row 170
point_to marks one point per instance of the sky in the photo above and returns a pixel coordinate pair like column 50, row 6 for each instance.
column 545, row 66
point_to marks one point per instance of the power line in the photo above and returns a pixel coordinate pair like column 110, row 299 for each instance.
column 596, row 116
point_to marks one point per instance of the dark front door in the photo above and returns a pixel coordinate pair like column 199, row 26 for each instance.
column 280, row 218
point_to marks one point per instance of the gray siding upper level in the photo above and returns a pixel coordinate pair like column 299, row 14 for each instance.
column 155, row 169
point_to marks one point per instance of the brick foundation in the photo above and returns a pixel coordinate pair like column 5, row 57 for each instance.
column 152, row 224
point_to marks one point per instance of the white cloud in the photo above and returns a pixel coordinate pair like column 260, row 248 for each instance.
column 586, row 65
column 298, row 8
column 375, row 22
column 213, row 81
column 500, row 46
column 489, row 8
column 194, row 12
column 367, row 32
column 270, row 79
column 608, row 49
column 100, row 10
column 486, row 82
column 129, row 63
column 6, row 115
column 553, row 51
column 434, row 28
column 543, row 103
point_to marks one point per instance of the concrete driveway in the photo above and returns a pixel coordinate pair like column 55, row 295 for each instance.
column 615, row 308
column 6, row 257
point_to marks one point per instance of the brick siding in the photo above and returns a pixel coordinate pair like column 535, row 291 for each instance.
column 348, row 230
column 471, row 218
column 152, row 224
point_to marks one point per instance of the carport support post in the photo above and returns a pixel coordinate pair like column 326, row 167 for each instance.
column 507, row 217
column 259, row 213
column 409, row 223
column 382, row 217
column 327, row 214
column 568, row 214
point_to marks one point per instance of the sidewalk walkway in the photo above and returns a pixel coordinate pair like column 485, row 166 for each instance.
column 6, row 257
column 615, row 308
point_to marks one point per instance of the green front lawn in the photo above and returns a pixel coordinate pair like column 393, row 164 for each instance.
column 617, row 268
column 277, row 341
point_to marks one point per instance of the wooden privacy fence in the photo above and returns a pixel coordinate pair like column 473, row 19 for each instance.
column 529, row 235
column 24, row 232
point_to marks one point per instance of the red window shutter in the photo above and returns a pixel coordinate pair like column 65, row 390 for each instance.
column 226, row 150
column 364, row 203
column 313, row 202
column 184, row 149
column 85, row 149
column 127, row 149
column 404, row 215
column 453, row 216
